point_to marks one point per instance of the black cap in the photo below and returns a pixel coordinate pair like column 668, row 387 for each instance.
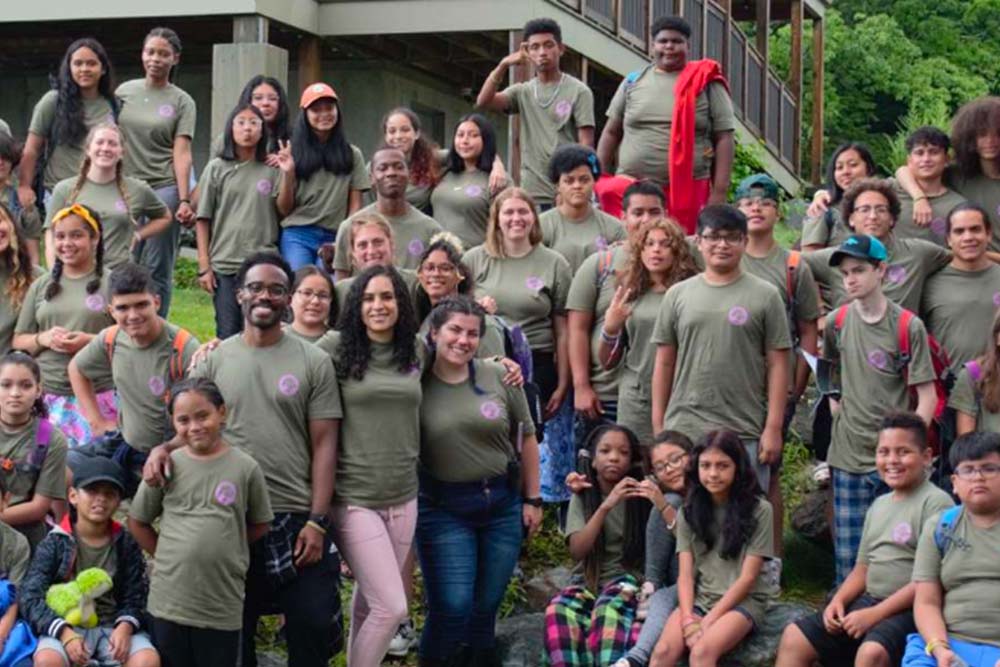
column 90, row 470
column 860, row 246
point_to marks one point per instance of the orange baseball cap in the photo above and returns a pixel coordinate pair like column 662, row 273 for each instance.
column 316, row 91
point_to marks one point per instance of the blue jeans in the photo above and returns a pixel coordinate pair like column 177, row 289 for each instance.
column 468, row 540
column 159, row 253
column 300, row 245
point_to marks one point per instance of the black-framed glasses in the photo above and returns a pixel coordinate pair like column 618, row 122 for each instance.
column 987, row 470
column 672, row 463
column 275, row 290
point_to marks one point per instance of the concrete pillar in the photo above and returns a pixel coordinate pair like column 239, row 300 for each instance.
column 235, row 64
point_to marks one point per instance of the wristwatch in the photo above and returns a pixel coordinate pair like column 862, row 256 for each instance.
column 321, row 520
column 534, row 502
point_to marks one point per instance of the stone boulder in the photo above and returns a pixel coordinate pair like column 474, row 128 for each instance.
column 519, row 640
column 543, row 587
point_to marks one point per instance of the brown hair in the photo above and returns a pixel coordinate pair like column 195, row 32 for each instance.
column 858, row 188
column 971, row 120
column 494, row 235
column 17, row 260
column 989, row 383
column 424, row 167
column 81, row 177
column 636, row 278
column 378, row 220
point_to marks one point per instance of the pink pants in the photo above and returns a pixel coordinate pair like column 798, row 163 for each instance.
column 375, row 543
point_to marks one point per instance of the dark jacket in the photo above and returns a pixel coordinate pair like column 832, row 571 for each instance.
column 54, row 562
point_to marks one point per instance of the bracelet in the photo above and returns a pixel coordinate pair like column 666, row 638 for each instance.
column 184, row 201
column 608, row 338
column 72, row 639
column 935, row 644
column 204, row 273
column 315, row 526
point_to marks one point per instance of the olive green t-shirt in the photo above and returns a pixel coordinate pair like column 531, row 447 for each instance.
column 272, row 393
column 891, row 533
column 412, row 233
column 965, row 398
column 958, row 309
column 722, row 334
column 936, row 232
column 591, row 292
column 8, row 311
column 15, row 553
column 461, row 204
column 714, row 575
column 118, row 218
column 493, row 342
column 551, row 115
column 530, row 291
column 635, row 395
column 105, row 558
column 969, row 573
column 645, row 108
column 74, row 309
column 323, row 199
column 613, row 531
column 578, row 239
column 142, row 377
column 65, row 159
column 237, row 198
column 984, row 191
column 202, row 555
column 871, row 381
column 152, row 118
column 828, row 229
column 380, row 434
column 468, row 435
column 24, row 480
column 288, row 329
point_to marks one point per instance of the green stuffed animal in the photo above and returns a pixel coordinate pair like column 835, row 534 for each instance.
column 74, row 601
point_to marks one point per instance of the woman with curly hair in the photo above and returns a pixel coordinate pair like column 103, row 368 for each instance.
column 84, row 97
column 724, row 548
column 62, row 312
column 975, row 396
column 401, row 129
column 378, row 361
column 658, row 258
column 16, row 274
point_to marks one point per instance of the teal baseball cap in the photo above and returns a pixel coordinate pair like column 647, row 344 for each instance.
column 757, row 185
column 860, row 246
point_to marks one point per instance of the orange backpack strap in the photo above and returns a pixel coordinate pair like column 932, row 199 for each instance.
column 791, row 273
column 605, row 266
column 176, row 367
column 903, row 334
column 110, row 335
column 838, row 319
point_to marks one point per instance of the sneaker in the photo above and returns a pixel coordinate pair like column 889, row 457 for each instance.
column 405, row 639
column 821, row 474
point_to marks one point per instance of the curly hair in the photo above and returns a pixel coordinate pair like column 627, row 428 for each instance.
column 451, row 246
column 738, row 524
column 636, row 277
column 69, row 126
column 355, row 345
column 970, row 121
column 858, row 188
column 16, row 260
column 424, row 168
column 54, row 287
column 494, row 235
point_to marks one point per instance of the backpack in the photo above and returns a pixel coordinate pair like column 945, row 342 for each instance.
column 946, row 527
column 516, row 347
column 175, row 367
column 32, row 463
column 792, row 263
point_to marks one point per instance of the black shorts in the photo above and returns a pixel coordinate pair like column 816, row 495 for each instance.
column 840, row 649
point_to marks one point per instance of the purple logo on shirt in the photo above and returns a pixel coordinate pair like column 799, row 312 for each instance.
column 288, row 384
column 489, row 409
column 415, row 247
column 534, row 283
column 156, row 385
column 902, row 533
column 878, row 359
column 897, row 273
column 166, row 110
column 938, row 227
column 601, row 243
column 738, row 316
column 225, row 493
column 95, row 302
column 563, row 108
column 264, row 186
column 110, row 120
column 996, row 299
column 473, row 191
column 120, row 206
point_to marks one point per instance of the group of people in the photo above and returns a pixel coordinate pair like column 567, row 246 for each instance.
column 414, row 356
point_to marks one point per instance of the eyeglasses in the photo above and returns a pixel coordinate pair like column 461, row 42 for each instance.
column 877, row 210
column 308, row 294
column 672, row 463
column 728, row 239
column 247, row 122
column 438, row 268
column 277, row 291
column 987, row 470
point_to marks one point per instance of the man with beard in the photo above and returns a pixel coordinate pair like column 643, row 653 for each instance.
column 284, row 409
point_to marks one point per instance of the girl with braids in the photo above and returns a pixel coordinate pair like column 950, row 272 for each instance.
column 322, row 177
column 157, row 121
column 119, row 200
column 313, row 313
column 592, row 623
column 725, row 547
column 62, row 312
column 975, row 396
column 35, row 478
column 658, row 257
column 83, row 98
column 479, row 487
column 17, row 272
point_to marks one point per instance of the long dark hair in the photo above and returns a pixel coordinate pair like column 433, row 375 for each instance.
column 310, row 270
column 17, row 262
column 836, row 192
column 279, row 130
column 175, row 43
column 636, row 509
column 54, row 287
column 489, row 136
column 69, row 127
column 21, row 358
column 229, row 145
column 443, row 312
column 311, row 154
column 450, row 245
column 355, row 346
column 423, row 164
column 699, row 510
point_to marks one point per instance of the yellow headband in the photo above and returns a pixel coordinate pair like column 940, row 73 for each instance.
column 80, row 211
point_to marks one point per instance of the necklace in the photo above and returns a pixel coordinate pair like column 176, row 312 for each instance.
column 555, row 93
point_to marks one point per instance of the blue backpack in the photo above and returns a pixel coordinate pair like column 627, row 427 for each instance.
column 946, row 527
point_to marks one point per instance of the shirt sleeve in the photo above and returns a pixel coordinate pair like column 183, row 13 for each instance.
column 963, row 395
column 582, row 295
column 517, row 405
column 342, row 258
column 807, row 307
column 27, row 322
column 575, row 520
column 52, row 479
column 259, row 505
column 776, row 322
column 92, row 361
column 19, row 555
column 513, row 94
column 60, row 199
column 359, row 175
column 583, row 107
column 921, row 369
column 927, row 561
column 43, row 115
column 720, row 108
column 30, row 221
column 936, row 259
column 864, row 547
column 815, row 231
column 617, row 107
column 762, row 541
column 685, row 537
column 207, row 193
column 187, row 114
column 150, row 204
column 560, row 290
column 147, row 504
column 831, row 352
column 324, row 395
column 665, row 329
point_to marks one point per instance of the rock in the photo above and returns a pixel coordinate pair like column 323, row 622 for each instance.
column 811, row 518
column 269, row 659
column 519, row 640
column 543, row 587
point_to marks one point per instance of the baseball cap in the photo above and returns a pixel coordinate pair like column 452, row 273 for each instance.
column 860, row 246
column 757, row 185
column 316, row 91
column 93, row 469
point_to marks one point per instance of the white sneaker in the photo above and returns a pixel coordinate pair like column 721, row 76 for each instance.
column 404, row 640
column 821, row 474
column 621, row 662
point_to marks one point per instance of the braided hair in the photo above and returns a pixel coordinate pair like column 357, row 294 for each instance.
column 81, row 177
column 54, row 287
